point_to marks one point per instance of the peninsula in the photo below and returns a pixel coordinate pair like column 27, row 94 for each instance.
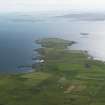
column 65, row 77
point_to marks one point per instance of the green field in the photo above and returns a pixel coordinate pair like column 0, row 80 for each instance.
column 65, row 78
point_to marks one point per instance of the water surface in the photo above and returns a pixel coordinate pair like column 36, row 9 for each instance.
column 17, row 35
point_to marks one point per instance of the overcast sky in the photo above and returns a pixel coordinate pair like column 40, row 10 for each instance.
column 43, row 5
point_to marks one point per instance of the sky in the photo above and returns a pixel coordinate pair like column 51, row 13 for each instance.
column 47, row 5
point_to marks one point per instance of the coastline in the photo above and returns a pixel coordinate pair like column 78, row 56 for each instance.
column 64, row 75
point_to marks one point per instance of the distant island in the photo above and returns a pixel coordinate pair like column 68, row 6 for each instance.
column 89, row 16
column 82, row 33
column 65, row 77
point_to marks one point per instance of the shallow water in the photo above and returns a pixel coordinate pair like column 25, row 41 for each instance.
column 17, row 38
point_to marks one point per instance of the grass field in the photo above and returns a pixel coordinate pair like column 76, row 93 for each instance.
column 65, row 78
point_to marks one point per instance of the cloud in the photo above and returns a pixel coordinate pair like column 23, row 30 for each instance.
column 35, row 5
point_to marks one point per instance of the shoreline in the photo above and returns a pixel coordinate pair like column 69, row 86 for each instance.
column 63, row 75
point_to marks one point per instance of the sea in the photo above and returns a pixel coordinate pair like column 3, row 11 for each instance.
column 18, row 32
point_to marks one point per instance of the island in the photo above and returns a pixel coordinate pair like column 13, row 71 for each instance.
column 84, row 33
column 63, row 77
